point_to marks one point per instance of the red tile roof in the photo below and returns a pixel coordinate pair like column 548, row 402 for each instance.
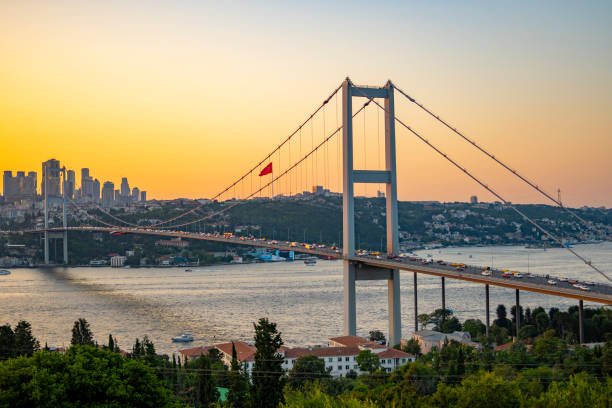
column 244, row 351
column 195, row 351
column 322, row 352
column 393, row 353
column 356, row 341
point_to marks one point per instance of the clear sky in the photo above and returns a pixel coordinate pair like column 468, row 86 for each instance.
column 182, row 96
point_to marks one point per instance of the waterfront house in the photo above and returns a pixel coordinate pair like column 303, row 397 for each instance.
column 430, row 338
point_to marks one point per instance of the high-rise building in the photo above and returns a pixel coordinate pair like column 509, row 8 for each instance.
column 96, row 191
column 28, row 188
column 135, row 194
column 86, row 185
column 108, row 194
column 474, row 199
column 143, row 196
column 125, row 189
column 11, row 187
column 70, row 183
column 51, row 179
column 117, row 196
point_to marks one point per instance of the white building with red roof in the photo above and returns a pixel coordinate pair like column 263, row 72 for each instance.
column 340, row 357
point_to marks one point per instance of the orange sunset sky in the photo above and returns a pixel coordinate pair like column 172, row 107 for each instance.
column 182, row 97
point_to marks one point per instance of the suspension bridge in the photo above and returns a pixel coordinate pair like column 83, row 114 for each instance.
column 321, row 151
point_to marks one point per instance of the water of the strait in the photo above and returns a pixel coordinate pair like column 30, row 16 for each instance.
column 220, row 303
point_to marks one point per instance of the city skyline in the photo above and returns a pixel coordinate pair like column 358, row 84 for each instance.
column 25, row 187
column 165, row 96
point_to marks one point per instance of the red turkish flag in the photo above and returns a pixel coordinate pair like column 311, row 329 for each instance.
column 266, row 170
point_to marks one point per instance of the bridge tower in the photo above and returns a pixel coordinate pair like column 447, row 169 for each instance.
column 355, row 270
column 49, row 235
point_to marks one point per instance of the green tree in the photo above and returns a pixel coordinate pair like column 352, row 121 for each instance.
column 481, row 390
column 549, row 349
column 475, row 327
column 25, row 342
column 7, row 342
column 238, row 396
column 439, row 317
column 202, row 380
column 450, row 325
column 82, row 377
column 368, row 361
column 528, row 332
column 307, row 368
column 413, row 347
column 378, row 336
column 267, row 374
column 580, row 391
column 502, row 319
column 112, row 344
column 421, row 378
column 81, row 333
column 314, row 396
column 424, row 320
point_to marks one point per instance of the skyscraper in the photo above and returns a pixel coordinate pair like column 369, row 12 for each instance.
column 21, row 187
column 51, row 178
column 70, row 183
column 143, row 196
column 28, row 188
column 96, row 191
column 135, row 194
column 125, row 189
column 11, row 187
column 108, row 194
column 86, row 185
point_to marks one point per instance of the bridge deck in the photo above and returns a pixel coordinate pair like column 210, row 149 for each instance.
column 599, row 293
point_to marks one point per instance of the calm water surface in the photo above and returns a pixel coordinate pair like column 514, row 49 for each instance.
column 219, row 303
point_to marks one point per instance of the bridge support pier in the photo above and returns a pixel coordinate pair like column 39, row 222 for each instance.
column 487, row 311
column 580, row 322
column 350, row 307
column 416, row 305
column 395, row 311
column 518, row 313
column 443, row 295
column 355, row 271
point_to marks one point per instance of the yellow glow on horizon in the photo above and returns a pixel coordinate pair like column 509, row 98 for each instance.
column 183, row 110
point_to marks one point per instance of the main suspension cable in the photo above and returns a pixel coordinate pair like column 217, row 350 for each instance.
column 490, row 190
column 312, row 115
column 483, row 150
column 263, row 187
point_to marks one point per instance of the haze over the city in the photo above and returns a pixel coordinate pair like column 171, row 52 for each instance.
column 184, row 96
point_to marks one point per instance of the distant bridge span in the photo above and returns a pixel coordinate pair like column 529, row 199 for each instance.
column 600, row 293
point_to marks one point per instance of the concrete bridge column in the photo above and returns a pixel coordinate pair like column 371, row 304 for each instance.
column 487, row 312
column 580, row 322
column 416, row 305
column 350, row 307
column 517, row 314
column 443, row 295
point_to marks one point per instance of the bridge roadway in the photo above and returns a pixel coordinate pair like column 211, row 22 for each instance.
column 599, row 292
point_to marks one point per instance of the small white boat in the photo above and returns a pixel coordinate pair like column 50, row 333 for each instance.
column 183, row 338
column 4, row 272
